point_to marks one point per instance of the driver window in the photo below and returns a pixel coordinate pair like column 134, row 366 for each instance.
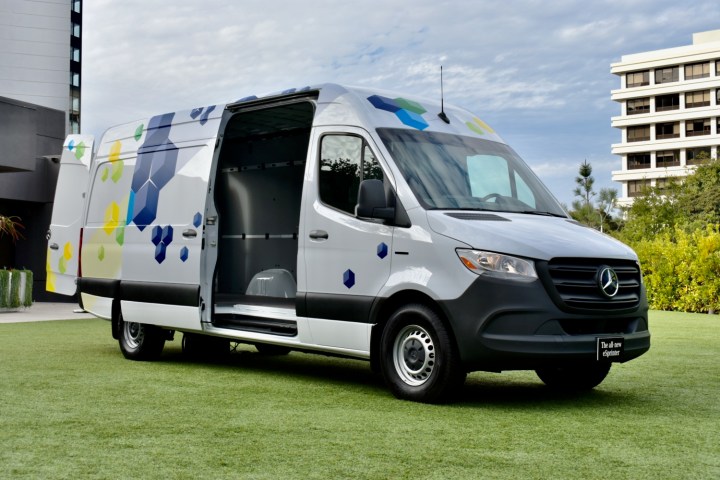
column 345, row 161
column 489, row 175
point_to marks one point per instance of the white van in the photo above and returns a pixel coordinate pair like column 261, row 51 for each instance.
column 341, row 221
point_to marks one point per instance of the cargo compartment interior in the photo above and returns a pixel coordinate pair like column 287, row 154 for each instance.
column 258, row 191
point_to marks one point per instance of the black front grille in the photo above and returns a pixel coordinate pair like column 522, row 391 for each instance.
column 575, row 283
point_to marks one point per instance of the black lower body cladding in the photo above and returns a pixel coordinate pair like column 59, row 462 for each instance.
column 508, row 325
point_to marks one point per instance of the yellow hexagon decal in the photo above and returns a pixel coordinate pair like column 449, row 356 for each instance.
column 67, row 251
column 115, row 150
column 112, row 218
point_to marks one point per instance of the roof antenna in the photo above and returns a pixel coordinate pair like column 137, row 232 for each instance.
column 442, row 115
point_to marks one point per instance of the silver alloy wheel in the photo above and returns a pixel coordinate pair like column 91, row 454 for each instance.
column 134, row 334
column 414, row 355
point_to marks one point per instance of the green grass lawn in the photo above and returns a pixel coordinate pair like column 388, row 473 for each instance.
column 73, row 407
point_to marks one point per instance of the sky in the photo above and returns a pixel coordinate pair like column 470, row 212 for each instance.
column 538, row 72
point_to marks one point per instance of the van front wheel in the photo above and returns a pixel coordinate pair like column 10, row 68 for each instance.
column 139, row 341
column 419, row 358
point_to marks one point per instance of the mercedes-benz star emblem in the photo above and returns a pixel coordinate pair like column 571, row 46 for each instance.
column 608, row 282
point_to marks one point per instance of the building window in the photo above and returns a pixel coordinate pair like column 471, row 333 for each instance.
column 74, row 101
column 637, row 79
column 698, row 126
column 74, row 79
column 696, row 156
column 638, row 105
column 667, row 158
column 637, row 161
column 697, row 70
column 667, row 102
column 638, row 134
column 636, row 187
column 76, row 6
column 667, row 75
column 74, row 54
column 667, row 130
column 697, row 99
column 75, row 30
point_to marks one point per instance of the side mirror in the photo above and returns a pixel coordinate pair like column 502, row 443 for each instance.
column 372, row 202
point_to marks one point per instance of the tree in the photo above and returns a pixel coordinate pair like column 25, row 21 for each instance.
column 583, row 210
column 607, row 200
column 690, row 204
column 585, row 182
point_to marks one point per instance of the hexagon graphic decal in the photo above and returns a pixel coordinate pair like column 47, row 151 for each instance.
column 184, row 254
column 349, row 278
column 161, row 237
column 479, row 127
column 67, row 251
column 101, row 253
column 112, row 218
column 155, row 166
column 160, row 252
column 197, row 220
column 407, row 111
column 382, row 250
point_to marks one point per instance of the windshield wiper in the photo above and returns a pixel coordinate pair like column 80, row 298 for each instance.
column 540, row 212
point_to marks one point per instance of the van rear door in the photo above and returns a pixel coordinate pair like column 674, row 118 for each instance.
column 68, row 209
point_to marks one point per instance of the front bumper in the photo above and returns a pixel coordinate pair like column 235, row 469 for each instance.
column 507, row 325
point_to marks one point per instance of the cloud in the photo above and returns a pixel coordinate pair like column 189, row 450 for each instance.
column 539, row 70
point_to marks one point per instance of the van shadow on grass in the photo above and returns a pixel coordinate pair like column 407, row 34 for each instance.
column 481, row 390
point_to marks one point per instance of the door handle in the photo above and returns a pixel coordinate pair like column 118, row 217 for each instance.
column 319, row 235
column 189, row 233
column 54, row 246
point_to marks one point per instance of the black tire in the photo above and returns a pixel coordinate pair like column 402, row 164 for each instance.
column 419, row 360
column 204, row 347
column 581, row 377
column 139, row 341
column 275, row 350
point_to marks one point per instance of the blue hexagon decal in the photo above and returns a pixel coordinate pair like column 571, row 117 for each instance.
column 167, row 235
column 197, row 220
column 184, row 254
column 349, row 278
column 156, row 236
column 160, row 252
column 145, row 203
column 155, row 166
column 382, row 250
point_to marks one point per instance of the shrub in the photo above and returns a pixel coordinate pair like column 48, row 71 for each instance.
column 681, row 269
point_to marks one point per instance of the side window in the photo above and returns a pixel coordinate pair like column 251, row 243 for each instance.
column 525, row 195
column 345, row 161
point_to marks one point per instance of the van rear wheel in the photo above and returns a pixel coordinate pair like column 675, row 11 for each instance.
column 139, row 341
column 584, row 376
column 419, row 358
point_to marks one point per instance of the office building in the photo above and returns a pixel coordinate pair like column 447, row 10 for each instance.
column 40, row 84
column 670, row 113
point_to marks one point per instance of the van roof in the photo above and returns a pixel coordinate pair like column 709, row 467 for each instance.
column 340, row 104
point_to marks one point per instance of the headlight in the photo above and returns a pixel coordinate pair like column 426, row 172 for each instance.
column 497, row 264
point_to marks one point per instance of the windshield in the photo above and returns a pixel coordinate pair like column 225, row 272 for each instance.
column 452, row 172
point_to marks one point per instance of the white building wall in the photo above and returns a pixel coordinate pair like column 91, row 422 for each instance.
column 35, row 52
column 705, row 48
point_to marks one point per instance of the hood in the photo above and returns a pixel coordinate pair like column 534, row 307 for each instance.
column 531, row 236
